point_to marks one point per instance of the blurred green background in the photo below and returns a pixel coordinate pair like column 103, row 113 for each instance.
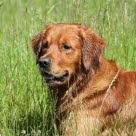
column 25, row 107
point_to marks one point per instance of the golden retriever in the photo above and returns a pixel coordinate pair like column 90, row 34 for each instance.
column 92, row 93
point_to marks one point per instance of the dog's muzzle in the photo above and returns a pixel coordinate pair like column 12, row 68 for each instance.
column 50, row 79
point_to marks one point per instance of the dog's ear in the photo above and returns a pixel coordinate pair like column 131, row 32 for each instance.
column 37, row 44
column 92, row 48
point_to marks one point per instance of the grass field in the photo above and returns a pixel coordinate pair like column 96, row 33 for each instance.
column 25, row 108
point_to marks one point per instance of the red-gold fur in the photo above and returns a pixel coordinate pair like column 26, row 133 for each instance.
column 96, row 91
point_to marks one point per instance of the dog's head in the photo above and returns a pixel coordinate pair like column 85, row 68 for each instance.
column 64, row 50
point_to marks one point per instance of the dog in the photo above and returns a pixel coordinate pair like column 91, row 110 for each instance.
column 92, row 93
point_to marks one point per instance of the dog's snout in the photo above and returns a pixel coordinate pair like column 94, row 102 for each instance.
column 44, row 62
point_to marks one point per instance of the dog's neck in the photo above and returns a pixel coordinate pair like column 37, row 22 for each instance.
column 96, row 80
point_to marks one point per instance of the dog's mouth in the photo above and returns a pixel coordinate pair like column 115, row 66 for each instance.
column 50, row 79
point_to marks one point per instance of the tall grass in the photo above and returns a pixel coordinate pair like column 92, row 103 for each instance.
column 25, row 107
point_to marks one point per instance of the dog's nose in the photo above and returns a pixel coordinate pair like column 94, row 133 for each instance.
column 44, row 62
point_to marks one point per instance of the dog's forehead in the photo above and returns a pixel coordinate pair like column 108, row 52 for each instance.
column 62, row 30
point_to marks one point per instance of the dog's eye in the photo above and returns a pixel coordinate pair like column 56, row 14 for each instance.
column 66, row 47
column 45, row 45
